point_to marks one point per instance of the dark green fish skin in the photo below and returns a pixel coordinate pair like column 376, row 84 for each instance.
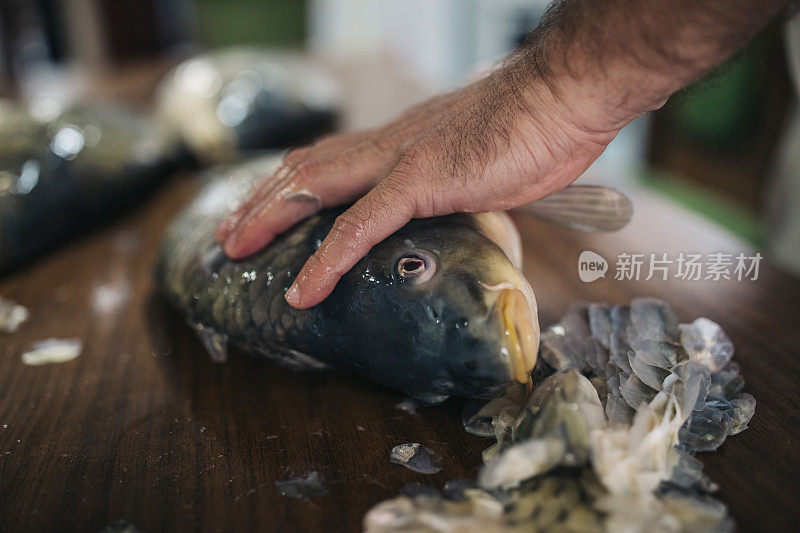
column 60, row 175
column 440, row 337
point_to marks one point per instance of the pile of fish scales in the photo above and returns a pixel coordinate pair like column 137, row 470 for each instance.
column 625, row 396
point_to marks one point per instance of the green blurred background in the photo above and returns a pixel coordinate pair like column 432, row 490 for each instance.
column 268, row 22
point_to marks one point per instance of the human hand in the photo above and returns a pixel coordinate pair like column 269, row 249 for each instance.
column 504, row 141
column 527, row 130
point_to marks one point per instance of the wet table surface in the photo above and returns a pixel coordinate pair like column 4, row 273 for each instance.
column 144, row 427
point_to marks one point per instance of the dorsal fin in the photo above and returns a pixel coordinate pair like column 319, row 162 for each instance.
column 584, row 207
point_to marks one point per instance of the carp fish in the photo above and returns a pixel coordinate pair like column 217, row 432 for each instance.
column 64, row 172
column 439, row 308
column 235, row 100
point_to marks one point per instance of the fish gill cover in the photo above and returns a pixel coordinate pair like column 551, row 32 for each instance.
column 624, row 398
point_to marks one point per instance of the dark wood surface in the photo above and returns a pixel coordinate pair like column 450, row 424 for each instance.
column 142, row 426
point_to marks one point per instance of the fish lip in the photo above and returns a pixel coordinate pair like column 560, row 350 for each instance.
column 519, row 335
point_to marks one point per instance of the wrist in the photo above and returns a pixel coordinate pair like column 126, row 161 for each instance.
column 612, row 61
column 596, row 97
column 545, row 94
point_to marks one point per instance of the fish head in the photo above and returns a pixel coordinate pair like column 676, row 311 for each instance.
column 441, row 310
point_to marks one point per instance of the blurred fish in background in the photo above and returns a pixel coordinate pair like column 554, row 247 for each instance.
column 61, row 174
column 73, row 151
column 227, row 103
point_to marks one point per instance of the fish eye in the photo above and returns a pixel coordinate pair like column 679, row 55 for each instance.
column 418, row 266
column 411, row 266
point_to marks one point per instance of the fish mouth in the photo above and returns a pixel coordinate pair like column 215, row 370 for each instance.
column 520, row 338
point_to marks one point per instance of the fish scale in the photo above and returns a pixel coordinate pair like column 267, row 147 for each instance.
column 225, row 298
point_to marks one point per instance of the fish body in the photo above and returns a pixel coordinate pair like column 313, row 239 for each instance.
column 465, row 326
column 58, row 174
column 236, row 100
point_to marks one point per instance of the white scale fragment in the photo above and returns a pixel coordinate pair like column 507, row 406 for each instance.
column 706, row 343
column 306, row 487
column 52, row 351
column 216, row 344
column 110, row 297
column 12, row 315
column 416, row 457
column 408, row 405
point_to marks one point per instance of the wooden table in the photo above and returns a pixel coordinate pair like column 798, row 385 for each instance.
column 144, row 427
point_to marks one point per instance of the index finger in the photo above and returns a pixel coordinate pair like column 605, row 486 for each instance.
column 378, row 214
column 291, row 160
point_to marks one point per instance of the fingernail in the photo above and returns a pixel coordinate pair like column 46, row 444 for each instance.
column 293, row 295
column 230, row 245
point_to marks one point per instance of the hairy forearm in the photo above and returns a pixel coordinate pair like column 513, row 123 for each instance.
column 612, row 60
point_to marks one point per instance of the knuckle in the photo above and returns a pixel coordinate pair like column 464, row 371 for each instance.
column 408, row 153
column 327, row 261
column 295, row 157
column 409, row 165
column 408, row 172
column 395, row 134
column 378, row 143
column 326, row 139
column 350, row 224
column 306, row 172
column 397, row 190
column 425, row 202
column 401, row 199
column 414, row 181
column 319, row 259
